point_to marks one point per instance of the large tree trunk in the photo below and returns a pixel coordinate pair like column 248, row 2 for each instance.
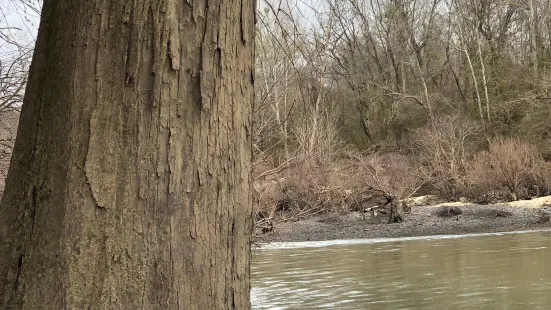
column 130, row 179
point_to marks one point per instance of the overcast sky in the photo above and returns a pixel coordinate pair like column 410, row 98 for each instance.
column 18, row 23
column 23, row 21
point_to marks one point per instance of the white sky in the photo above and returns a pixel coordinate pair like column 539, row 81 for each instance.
column 19, row 23
column 24, row 21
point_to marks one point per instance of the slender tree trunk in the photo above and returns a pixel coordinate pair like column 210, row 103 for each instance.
column 283, row 124
column 475, row 82
column 315, row 116
column 313, row 140
column 533, row 38
column 129, row 186
column 425, row 90
column 484, row 82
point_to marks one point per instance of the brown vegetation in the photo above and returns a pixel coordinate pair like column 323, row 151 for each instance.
column 406, row 97
column 445, row 148
column 354, row 181
column 351, row 181
column 511, row 164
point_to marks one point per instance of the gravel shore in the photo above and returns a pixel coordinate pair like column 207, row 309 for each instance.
column 422, row 221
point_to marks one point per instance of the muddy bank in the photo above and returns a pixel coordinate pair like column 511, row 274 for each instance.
column 422, row 221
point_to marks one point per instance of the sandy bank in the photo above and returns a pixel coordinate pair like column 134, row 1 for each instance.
column 422, row 221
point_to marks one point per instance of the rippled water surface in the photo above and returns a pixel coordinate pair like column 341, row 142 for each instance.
column 503, row 271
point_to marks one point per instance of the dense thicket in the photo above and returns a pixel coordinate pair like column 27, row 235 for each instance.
column 436, row 81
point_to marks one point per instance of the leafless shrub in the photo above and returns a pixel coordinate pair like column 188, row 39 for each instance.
column 512, row 164
column 444, row 147
column 396, row 174
column 326, row 145
column 351, row 182
column 298, row 186
column 291, row 195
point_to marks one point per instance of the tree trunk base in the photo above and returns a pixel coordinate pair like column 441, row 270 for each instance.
column 396, row 211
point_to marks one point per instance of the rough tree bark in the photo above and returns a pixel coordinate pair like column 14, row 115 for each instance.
column 130, row 179
column 396, row 211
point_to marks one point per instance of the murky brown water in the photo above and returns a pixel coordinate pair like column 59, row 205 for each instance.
column 510, row 271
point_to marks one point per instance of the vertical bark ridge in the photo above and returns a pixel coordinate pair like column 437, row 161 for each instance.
column 140, row 175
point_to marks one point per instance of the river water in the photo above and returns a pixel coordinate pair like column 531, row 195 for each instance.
column 486, row 271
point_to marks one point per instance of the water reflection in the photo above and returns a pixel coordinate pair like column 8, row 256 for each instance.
column 511, row 271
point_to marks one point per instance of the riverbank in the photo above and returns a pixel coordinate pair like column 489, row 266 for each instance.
column 421, row 221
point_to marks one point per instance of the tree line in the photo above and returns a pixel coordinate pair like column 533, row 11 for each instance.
column 413, row 97
column 375, row 70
